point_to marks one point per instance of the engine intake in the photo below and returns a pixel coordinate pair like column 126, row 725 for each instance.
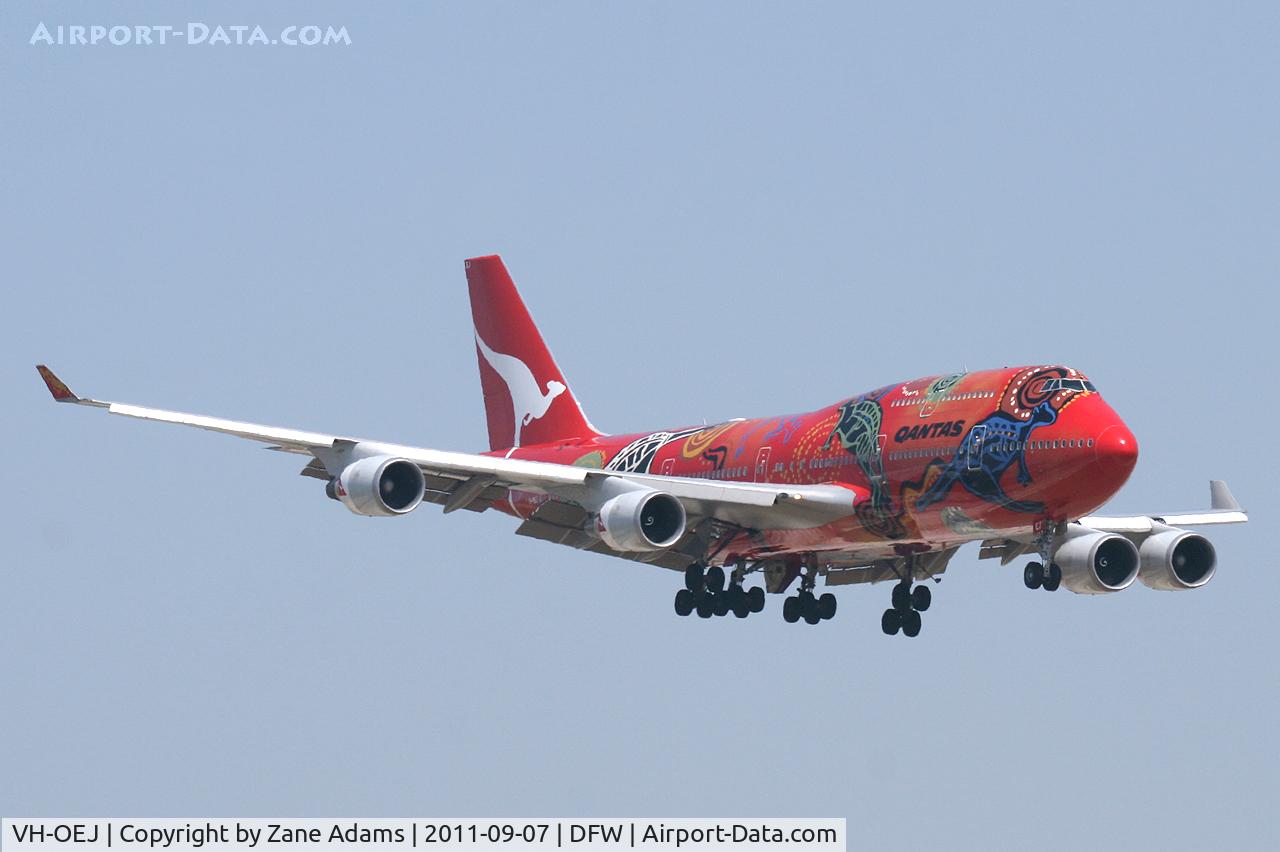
column 1096, row 563
column 641, row 520
column 1174, row 560
column 380, row 486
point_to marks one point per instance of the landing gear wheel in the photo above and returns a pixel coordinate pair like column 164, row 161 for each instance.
column 791, row 610
column 722, row 604
column 911, row 623
column 810, row 605
column 827, row 606
column 1054, row 579
column 741, row 606
column 921, row 597
column 684, row 602
column 902, row 597
column 1033, row 575
column 755, row 597
column 715, row 578
column 706, row 606
column 693, row 580
column 890, row 622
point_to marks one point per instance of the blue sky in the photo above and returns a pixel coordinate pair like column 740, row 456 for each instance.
column 713, row 210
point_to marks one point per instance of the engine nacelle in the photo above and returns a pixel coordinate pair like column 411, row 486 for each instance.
column 641, row 520
column 379, row 486
column 1095, row 563
column 1176, row 559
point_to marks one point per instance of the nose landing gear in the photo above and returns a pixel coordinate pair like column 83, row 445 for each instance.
column 1044, row 574
column 1036, row 576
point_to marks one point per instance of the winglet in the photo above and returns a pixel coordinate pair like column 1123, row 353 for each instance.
column 56, row 386
column 62, row 393
column 1220, row 496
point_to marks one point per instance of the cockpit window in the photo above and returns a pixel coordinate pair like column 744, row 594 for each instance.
column 1055, row 385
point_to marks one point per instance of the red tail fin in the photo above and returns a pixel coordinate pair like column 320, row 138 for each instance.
column 526, row 397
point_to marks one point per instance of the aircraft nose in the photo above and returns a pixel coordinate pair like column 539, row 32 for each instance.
column 1117, row 449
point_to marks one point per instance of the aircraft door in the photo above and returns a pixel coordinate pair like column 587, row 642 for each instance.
column 977, row 443
column 762, row 464
column 875, row 464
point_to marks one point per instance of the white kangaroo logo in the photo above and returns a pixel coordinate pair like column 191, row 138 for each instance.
column 528, row 402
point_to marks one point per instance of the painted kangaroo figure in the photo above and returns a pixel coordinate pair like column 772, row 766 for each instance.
column 995, row 454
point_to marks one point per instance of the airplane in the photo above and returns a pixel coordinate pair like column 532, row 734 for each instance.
column 883, row 486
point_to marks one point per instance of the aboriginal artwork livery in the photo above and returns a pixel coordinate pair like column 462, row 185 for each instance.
column 1032, row 398
column 991, row 448
column 637, row 456
column 860, row 433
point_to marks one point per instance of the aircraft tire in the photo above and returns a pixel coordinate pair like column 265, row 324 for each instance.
column 1054, row 579
column 1033, row 575
column 902, row 597
column 911, row 623
column 684, row 602
column 921, row 597
column 811, row 614
column 890, row 622
column 791, row 610
column 756, row 598
column 827, row 606
column 693, row 578
column 721, row 603
column 715, row 579
column 706, row 606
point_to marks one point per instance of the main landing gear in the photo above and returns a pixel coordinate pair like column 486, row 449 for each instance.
column 707, row 594
column 1037, row 576
column 805, row 604
column 908, row 603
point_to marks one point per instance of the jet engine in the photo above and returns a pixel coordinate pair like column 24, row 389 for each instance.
column 641, row 520
column 1176, row 559
column 379, row 486
column 1095, row 563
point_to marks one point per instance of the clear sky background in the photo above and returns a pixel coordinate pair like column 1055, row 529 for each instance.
column 713, row 210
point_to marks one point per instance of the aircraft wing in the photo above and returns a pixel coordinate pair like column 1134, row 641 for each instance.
column 464, row 480
column 1224, row 509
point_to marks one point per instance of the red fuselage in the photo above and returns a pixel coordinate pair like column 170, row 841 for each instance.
column 929, row 463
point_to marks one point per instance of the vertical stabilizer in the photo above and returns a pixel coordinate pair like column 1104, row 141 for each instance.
column 526, row 398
